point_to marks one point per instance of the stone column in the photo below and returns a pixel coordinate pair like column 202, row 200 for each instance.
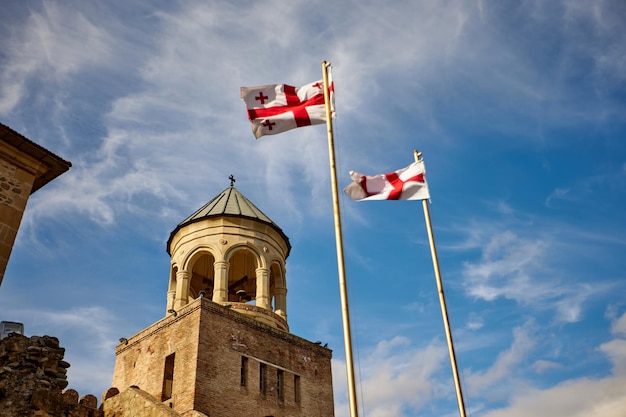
column 220, row 284
column 182, row 289
column 280, row 296
column 263, row 288
column 171, row 290
column 170, row 299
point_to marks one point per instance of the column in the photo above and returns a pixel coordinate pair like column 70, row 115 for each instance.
column 170, row 299
column 182, row 289
column 280, row 308
column 171, row 290
column 220, row 284
column 263, row 288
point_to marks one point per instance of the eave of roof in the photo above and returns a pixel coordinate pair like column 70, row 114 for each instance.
column 55, row 164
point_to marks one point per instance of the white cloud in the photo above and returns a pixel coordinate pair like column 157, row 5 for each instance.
column 542, row 366
column 175, row 102
column 499, row 378
column 400, row 380
column 397, row 379
column 53, row 44
column 527, row 267
column 169, row 128
column 610, row 180
column 619, row 326
column 475, row 322
column 578, row 397
column 507, row 268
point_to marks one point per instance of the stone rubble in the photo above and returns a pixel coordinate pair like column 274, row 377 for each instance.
column 33, row 376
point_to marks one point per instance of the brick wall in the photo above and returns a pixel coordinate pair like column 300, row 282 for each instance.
column 24, row 168
column 209, row 341
column 141, row 362
column 15, row 187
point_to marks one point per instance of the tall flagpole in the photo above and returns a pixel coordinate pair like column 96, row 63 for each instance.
column 343, row 291
column 442, row 302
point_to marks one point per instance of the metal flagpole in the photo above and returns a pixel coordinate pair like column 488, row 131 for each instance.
column 442, row 302
column 339, row 241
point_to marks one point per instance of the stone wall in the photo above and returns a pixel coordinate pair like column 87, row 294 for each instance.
column 141, row 359
column 227, row 364
column 24, row 168
column 15, row 187
column 133, row 402
column 33, row 375
column 296, row 373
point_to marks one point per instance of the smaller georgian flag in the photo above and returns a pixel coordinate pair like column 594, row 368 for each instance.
column 404, row 184
column 277, row 108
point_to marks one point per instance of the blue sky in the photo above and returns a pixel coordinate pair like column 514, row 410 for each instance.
column 519, row 108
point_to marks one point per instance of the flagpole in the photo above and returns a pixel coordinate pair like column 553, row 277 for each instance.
column 442, row 302
column 339, row 242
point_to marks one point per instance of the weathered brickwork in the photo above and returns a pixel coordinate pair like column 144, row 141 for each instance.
column 141, row 362
column 135, row 402
column 24, row 168
column 15, row 186
column 13, row 190
column 208, row 342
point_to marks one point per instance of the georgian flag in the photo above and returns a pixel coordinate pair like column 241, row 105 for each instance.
column 277, row 108
column 404, row 184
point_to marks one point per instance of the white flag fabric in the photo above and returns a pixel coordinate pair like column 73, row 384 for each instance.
column 277, row 108
column 331, row 93
column 404, row 184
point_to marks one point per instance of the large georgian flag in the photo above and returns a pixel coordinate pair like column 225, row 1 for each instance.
column 404, row 184
column 277, row 108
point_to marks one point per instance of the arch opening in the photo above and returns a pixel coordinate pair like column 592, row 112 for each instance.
column 202, row 276
column 242, row 277
column 278, row 290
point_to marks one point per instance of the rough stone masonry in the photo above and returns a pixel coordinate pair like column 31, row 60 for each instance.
column 33, row 376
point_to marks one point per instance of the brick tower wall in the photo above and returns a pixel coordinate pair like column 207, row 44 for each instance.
column 229, row 339
column 211, row 344
column 140, row 360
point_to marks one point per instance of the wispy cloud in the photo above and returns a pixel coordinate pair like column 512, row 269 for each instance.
column 600, row 187
column 498, row 379
column 542, row 366
column 397, row 379
column 579, row 397
column 55, row 43
column 523, row 262
column 143, row 98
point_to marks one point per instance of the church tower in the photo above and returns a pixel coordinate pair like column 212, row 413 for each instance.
column 224, row 347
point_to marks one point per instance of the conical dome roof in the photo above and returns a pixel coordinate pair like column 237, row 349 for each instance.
column 229, row 203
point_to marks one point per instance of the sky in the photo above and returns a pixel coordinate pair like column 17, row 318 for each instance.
column 519, row 109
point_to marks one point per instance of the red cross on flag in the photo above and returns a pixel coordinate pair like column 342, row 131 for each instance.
column 277, row 108
column 404, row 184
